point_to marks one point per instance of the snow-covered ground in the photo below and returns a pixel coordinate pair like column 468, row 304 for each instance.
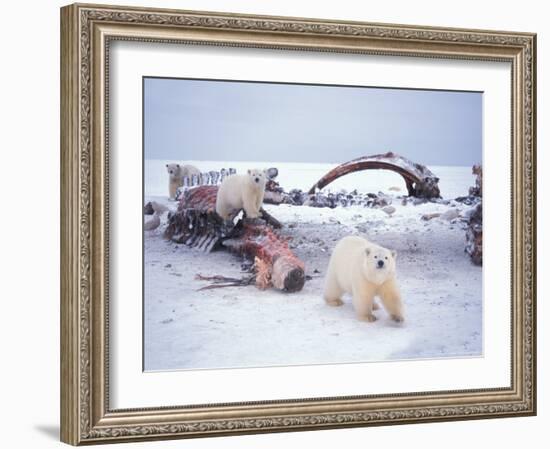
column 245, row 327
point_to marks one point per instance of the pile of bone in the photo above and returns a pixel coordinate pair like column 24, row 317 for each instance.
column 475, row 193
column 211, row 178
column 474, row 235
column 477, row 190
column 335, row 199
column 214, row 178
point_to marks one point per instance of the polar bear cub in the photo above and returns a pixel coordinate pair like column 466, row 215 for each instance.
column 364, row 270
column 176, row 173
column 241, row 192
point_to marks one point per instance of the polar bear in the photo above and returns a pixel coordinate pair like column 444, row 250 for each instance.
column 241, row 192
column 365, row 270
column 176, row 173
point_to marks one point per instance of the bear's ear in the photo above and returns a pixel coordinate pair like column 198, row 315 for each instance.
column 367, row 252
column 394, row 254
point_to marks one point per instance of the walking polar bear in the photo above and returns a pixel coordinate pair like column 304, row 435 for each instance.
column 364, row 270
column 176, row 173
column 241, row 192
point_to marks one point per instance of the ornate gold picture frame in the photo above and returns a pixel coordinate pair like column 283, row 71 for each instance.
column 87, row 31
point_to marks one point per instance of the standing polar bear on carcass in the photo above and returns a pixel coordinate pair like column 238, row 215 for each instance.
column 241, row 192
column 364, row 270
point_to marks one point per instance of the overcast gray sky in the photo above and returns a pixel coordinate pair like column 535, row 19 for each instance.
column 243, row 121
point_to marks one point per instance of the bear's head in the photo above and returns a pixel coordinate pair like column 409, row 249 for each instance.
column 173, row 169
column 379, row 264
column 257, row 177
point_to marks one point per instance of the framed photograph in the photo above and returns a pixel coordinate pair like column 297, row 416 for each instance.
column 279, row 224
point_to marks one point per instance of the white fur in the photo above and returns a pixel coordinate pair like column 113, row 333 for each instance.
column 241, row 192
column 353, row 268
column 176, row 173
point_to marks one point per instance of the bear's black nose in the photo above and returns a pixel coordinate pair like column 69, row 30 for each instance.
column 257, row 179
column 380, row 263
